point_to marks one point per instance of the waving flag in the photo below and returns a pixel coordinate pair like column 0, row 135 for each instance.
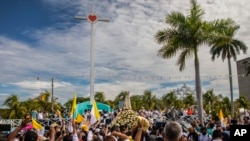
column 95, row 115
column 79, row 118
column 221, row 117
column 73, row 108
column 36, row 125
column 59, row 113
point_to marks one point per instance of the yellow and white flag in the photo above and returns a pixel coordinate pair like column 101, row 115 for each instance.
column 221, row 117
column 95, row 115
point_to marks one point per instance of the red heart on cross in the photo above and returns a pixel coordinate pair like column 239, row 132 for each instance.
column 92, row 18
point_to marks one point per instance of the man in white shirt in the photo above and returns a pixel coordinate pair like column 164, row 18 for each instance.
column 204, row 136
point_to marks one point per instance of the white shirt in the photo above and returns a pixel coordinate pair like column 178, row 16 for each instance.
column 204, row 137
column 90, row 136
column 75, row 137
column 40, row 115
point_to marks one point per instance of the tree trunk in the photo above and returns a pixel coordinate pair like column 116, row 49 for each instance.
column 198, row 87
column 231, row 86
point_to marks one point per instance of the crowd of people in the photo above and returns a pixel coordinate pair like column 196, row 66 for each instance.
column 103, row 130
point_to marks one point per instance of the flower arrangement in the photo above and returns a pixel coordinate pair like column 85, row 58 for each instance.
column 130, row 118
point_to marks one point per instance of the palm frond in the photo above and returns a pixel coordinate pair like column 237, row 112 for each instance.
column 162, row 37
column 196, row 12
column 186, row 53
column 176, row 19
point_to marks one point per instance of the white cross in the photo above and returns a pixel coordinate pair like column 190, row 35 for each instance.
column 92, row 18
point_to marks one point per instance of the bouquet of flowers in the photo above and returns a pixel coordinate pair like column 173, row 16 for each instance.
column 130, row 118
column 125, row 117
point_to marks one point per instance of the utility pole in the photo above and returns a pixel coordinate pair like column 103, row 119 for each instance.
column 92, row 18
column 52, row 94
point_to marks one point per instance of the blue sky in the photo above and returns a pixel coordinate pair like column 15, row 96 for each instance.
column 42, row 39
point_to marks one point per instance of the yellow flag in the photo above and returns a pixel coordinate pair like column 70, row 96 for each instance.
column 59, row 114
column 221, row 116
column 79, row 118
column 85, row 128
column 73, row 107
column 36, row 125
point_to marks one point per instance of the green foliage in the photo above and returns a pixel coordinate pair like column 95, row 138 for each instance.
column 212, row 103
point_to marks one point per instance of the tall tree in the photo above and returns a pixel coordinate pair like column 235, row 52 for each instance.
column 15, row 108
column 100, row 97
column 189, row 100
column 226, row 46
column 209, row 100
column 44, row 101
column 136, row 102
column 148, row 100
column 226, row 106
column 242, row 102
column 169, row 99
column 185, row 35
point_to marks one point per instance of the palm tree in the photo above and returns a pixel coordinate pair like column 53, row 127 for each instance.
column 43, row 101
column 111, row 104
column 148, row 100
column 209, row 100
column 169, row 99
column 31, row 104
column 136, row 102
column 226, row 46
column 15, row 108
column 243, row 102
column 226, row 105
column 100, row 97
column 185, row 35
column 189, row 100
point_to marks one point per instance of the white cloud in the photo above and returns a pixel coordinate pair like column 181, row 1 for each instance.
column 124, row 49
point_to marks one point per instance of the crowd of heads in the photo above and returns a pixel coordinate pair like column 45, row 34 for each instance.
column 103, row 130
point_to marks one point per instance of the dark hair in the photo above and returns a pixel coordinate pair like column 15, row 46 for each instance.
column 211, row 125
column 123, row 128
column 115, row 127
column 217, row 134
column 203, row 128
column 30, row 136
column 246, row 118
column 68, row 138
